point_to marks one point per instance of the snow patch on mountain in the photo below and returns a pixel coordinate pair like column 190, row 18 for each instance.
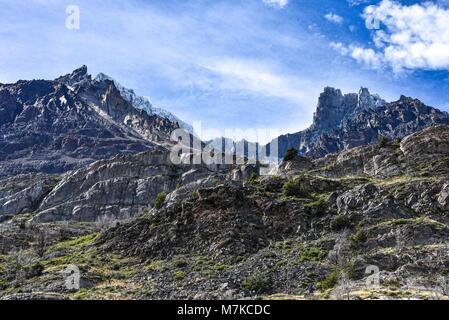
column 144, row 103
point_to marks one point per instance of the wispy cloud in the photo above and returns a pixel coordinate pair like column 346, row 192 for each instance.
column 280, row 3
column 333, row 17
column 357, row 2
column 412, row 37
column 259, row 78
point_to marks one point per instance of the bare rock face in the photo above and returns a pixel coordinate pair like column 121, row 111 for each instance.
column 121, row 187
column 431, row 141
column 127, row 185
column 23, row 193
column 443, row 198
column 61, row 125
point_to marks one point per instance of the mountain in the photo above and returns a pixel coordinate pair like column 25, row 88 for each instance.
column 313, row 229
column 347, row 121
column 144, row 103
column 52, row 126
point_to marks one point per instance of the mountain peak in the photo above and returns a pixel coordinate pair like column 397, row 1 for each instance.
column 366, row 101
column 364, row 91
column 77, row 75
column 143, row 103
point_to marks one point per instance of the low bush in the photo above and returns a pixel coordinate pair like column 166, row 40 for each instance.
column 296, row 188
column 383, row 142
column 159, row 202
column 290, row 154
column 330, row 281
column 260, row 282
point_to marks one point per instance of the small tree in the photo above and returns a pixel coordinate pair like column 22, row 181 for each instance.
column 159, row 202
column 383, row 142
column 290, row 154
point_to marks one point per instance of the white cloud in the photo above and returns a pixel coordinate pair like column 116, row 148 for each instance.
column 333, row 17
column 412, row 37
column 259, row 78
column 281, row 3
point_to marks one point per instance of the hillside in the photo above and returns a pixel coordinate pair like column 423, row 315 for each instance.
column 308, row 230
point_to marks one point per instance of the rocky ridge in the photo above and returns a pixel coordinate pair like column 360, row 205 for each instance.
column 144, row 103
column 65, row 124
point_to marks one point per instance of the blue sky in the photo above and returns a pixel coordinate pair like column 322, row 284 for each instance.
column 240, row 63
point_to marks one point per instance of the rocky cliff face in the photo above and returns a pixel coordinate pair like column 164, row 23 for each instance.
column 60, row 125
column 119, row 188
column 351, row 120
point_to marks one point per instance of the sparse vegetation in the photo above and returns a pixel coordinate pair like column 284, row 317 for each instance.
column 252, row 180
column 178, row 276
column 260, row 282
column 296, row 188
column 329, row 282
column 290, row 154
column 159, row 202
column 383, row 142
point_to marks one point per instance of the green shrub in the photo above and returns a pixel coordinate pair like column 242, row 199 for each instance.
column 260, row 283
column 159, row 202
column 360, row 237
column 290, row 154
column 178, row 276
column 383, row 142
column 34, row 270
column 253, row 179
column 329, row 282
column 340, row 222
column 313, row 254
column 180, row 263
column 350, row 271
column 400, row 221
column 296, row 188
column 115, row 267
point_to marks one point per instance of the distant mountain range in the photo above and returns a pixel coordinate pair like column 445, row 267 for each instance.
column 53, row 126
column 347, row 121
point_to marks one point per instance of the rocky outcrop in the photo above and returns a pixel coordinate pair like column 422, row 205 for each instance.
column 443, row 198
column 23, row 193
column 119, row 188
